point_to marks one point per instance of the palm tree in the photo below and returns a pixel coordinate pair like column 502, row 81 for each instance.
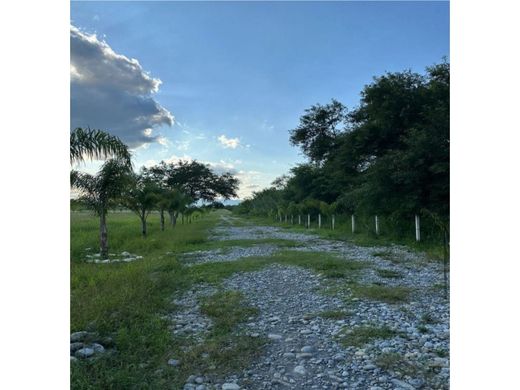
column 99, row 192
column 177, row 203
column 96, row 144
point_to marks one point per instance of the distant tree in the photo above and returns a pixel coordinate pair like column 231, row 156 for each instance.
column 96, row 144
column 196, row 180
column 100, row 192
column 141, row 196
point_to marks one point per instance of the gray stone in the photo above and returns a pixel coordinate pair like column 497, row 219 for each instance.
column 230, row 386
column 199, row 380
column 106, row 341
column 75, row 346
column 174, row 362
column 84, row 353
column 78, row 336
column 402, row 385
column 273, row 336
column 299, row 370
column 98, row 348
column 307, row 349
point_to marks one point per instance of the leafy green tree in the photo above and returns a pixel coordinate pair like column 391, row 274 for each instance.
column 318, row 129
column 101, row 192
column 96, row 144
column 198, row 181
column 141, row 196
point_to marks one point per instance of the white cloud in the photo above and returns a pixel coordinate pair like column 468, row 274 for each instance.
column 182, row 145
column 112, row 92
column 229, row 143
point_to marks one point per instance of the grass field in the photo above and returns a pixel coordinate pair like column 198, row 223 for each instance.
column 129, row 301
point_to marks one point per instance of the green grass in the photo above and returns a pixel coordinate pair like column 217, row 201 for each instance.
column 389, row 360
column 392, row 361
column 387, row 294
column 357, row 337
column 226, row 310
column 224, row 244
column 218, row 353
column 128, row 301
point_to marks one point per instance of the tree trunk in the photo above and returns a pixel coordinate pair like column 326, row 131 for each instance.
column 103, row 236
column 162, row 220
column 143, row 225
column 170, row 213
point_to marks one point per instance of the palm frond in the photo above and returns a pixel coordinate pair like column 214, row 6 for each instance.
column 96, row 144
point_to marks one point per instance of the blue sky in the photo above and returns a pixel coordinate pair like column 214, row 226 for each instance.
column 236, row 76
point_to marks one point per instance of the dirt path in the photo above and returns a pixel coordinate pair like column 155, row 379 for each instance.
column 337, row 339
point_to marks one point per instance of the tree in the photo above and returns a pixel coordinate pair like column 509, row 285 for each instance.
column 388, row 157
column 318, row 129
column 96, row 144
column 141, row 196
column 197, row 180
column 100, row 192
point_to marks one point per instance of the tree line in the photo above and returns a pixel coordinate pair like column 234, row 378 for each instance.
column 170, row 188
column 389, row 156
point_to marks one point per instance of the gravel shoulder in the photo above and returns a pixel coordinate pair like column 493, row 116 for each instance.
column 327, row 333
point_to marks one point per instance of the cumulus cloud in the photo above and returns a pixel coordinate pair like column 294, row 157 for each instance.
column 112, row 92
column 228, row 143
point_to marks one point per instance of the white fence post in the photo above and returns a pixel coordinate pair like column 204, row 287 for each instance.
column 292, row 219
column 319, row 221
column 417, row 228
column 353, row 224
column 285, row 218
column 308, row 221
column 333, row 221
column 299, row 219
column 377, row 225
